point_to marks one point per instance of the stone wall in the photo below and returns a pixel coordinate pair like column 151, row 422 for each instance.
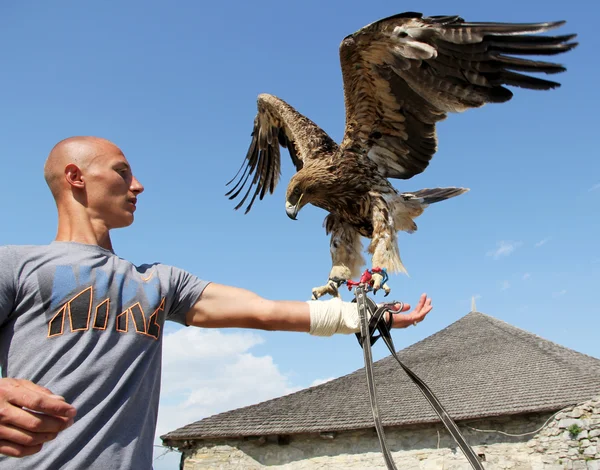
column 567, row 440
column 571, row 439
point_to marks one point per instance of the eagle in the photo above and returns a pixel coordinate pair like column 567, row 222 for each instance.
column 401, row 76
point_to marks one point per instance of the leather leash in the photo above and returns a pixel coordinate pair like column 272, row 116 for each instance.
column 366, row 338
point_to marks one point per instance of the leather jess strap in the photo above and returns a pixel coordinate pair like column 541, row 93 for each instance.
column 368, row 325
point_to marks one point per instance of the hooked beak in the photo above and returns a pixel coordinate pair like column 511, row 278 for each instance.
column 292, row 210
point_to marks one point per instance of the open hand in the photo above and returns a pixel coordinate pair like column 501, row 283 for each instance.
column 402, row 320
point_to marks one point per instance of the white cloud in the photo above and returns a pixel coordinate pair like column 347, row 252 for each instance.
column 595, row 187
column 505, row 285
column 504, row 248
column 542, row 242
column 526, row 276
column 559, row 293
column 321, row 381
column 207, row 372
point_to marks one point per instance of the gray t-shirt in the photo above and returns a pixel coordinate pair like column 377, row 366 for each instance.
column 87, row 325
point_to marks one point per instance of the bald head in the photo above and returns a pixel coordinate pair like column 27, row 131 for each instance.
column 93, row 186
column 80, row 151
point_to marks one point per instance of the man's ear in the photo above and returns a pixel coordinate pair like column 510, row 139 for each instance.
column 73, row 176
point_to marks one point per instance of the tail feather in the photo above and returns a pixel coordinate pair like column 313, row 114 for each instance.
column 430, row 196
column 406, row 207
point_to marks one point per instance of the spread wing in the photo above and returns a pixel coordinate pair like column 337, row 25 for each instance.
column 277, row 124
column 404, row 73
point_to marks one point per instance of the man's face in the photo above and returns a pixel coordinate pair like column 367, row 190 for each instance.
column 111, row 188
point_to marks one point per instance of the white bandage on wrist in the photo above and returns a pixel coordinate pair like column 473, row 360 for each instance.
column 328, row 317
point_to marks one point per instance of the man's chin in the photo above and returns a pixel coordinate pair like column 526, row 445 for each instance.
column 125, row 222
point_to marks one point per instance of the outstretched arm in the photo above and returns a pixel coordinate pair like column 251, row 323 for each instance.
column 224, row 306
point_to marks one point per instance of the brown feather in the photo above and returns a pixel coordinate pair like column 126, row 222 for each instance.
column 277, row 124
column 435, row 65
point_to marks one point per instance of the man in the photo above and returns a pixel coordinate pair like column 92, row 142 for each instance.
column 80, row 328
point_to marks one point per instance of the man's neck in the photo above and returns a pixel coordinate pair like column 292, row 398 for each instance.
column 77, row 227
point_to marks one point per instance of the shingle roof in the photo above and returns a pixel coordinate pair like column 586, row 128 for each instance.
column 478, row 367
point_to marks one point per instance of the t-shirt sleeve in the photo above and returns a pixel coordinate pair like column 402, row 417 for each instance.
column 7, row 283
column 185, row 289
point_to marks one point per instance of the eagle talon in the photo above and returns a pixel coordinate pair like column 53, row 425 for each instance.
column 380, row 282
column 331, row 288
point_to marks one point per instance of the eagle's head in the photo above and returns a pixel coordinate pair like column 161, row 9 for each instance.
column 298, row 194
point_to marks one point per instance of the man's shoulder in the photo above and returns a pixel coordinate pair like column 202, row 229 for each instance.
column 166, row 271
column 14, row 257
column 19, row 254
column 157, row 267
column 19, row 250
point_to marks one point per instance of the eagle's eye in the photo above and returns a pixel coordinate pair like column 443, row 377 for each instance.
column 296, row 191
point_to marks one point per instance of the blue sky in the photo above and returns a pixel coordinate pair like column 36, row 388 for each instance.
column 174, row 84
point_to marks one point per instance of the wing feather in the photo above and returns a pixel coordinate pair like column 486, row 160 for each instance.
column 276, row 125
column 405, row 73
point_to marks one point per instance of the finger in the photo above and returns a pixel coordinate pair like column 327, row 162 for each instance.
column 426, row 308
column 28, row 396
column 417, row 315
column 421, row 302
column 423, row 310
column 37, row 388
column 25, row 438
column 15, row 450
column 397, row 307
column 32, row 421
column 401, row 307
